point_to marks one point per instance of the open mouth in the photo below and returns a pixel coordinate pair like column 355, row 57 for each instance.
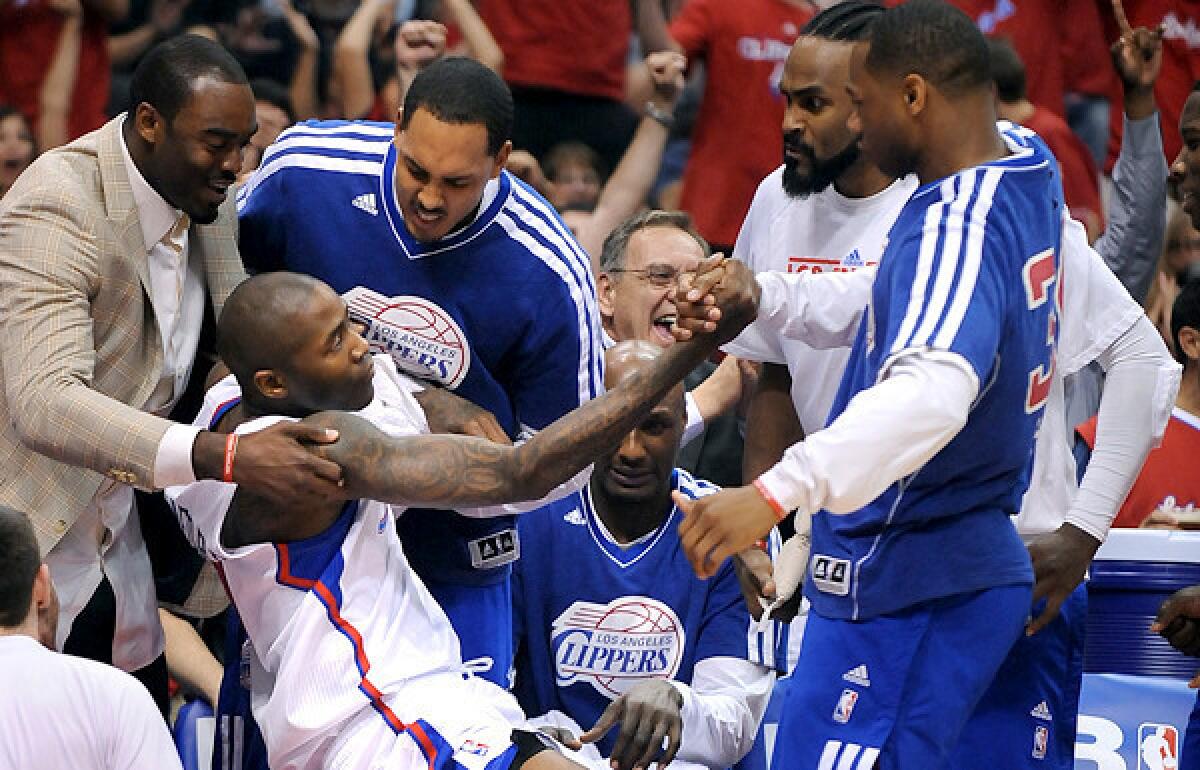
column 662, row 328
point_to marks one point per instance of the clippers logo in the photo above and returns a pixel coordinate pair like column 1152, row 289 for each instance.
column 1158, row 747
column 845, row 706
column 848, row 264
column 1041, row 737
column 474, row 747
column 614, row 646
column 423, row 338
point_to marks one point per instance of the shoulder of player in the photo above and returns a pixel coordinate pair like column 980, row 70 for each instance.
column 527, row 223
column 335, row 148
column 691, row 486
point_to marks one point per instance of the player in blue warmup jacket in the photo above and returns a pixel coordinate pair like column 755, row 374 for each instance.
column 612, row 626
column 918, row 581
column 460, row 271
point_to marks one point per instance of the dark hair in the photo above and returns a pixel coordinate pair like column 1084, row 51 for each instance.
column 1185, row 312
column 272, row 92
column 572, row 152
column 849, row 21
column 1008, row 72
column 19, row 555
column 460, row 90
column 612, row 255
column 164, row 77
column 932, row 39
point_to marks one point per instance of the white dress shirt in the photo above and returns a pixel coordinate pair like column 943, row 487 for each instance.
column 106, row 539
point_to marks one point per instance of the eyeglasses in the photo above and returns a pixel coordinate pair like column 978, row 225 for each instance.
column 659, row 276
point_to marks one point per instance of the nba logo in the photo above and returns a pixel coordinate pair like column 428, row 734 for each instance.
column 1158, row 747
column 845, row 707
column 1041, row 736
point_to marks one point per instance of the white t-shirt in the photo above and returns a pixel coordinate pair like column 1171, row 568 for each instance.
column 60, row 711
column 348, row 646
column 823, row 233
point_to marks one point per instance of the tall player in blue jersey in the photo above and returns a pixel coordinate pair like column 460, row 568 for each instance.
column 460, row 271
column 918, row 581
column 613, row 627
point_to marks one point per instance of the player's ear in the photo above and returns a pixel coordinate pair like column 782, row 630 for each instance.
column 1189, row 343
column 501, row 159
column 604, row 296
column 270, row 383
column 915, row 92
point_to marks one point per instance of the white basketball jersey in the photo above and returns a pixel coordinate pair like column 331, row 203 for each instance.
column 344, row 633
column 825, row 232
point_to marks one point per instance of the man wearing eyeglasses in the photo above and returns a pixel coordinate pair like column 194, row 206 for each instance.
column 640, row 265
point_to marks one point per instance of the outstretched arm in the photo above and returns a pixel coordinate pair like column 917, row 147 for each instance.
column 452, row 471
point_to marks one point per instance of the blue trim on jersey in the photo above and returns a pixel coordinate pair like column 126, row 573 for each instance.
column 222, row 410
column 309, row 560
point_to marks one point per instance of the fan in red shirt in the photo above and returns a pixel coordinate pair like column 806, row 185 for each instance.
column 1079, row 177
column 1179, row 21
column 30, row 31
column 1167, row 491
column 736, row 140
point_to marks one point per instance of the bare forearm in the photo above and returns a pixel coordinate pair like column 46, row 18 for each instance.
column 771, row 423
column 478, row 37
column 123, row 49
column 304, row 85
column 59, row 86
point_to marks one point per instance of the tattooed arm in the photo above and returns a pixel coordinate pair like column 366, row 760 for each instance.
column 450, row 471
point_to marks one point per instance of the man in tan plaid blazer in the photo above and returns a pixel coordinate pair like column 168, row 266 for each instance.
column 85, row 286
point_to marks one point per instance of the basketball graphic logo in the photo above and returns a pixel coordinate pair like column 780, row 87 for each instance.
column 613, row 646
column 424, row 339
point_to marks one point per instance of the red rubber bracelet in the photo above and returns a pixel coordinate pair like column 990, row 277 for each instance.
column 780, row 512
column 230, row 450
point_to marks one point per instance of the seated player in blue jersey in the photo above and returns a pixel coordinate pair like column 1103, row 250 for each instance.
column 613, row 629
column 464, row 274
column 352, row 663
column 918, row 582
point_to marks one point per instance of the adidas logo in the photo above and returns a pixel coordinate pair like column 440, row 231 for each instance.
column 366, row 202
column 1041, row 711
column 858, row 675
column 853, row 259
column 574, row 517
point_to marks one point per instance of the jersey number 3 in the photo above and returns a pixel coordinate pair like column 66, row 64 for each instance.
column 1038, row 278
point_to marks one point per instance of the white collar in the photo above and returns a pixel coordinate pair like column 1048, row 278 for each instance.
column 156, row 216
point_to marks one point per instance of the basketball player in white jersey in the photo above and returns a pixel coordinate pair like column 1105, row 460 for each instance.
column 353, row 663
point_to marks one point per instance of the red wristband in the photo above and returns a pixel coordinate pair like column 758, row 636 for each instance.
column 780, row 512
column 230, row 450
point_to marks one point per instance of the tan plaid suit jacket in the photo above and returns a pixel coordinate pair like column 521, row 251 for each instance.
column 80, row 350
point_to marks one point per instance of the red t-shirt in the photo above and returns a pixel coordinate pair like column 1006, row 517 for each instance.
column 1170, row 470
column 1180, row 69
column 29, row 34
column 1079, row 176
column 1087, row 63
column 737, row 139
column 577, row 46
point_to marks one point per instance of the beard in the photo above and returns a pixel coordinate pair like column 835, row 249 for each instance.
column 822, row 173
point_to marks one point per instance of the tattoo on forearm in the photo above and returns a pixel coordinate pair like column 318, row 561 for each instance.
column 465, row 471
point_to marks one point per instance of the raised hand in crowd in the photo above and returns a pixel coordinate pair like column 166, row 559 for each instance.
column 418, row 43
column 303, row 88
column 1138, row 57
